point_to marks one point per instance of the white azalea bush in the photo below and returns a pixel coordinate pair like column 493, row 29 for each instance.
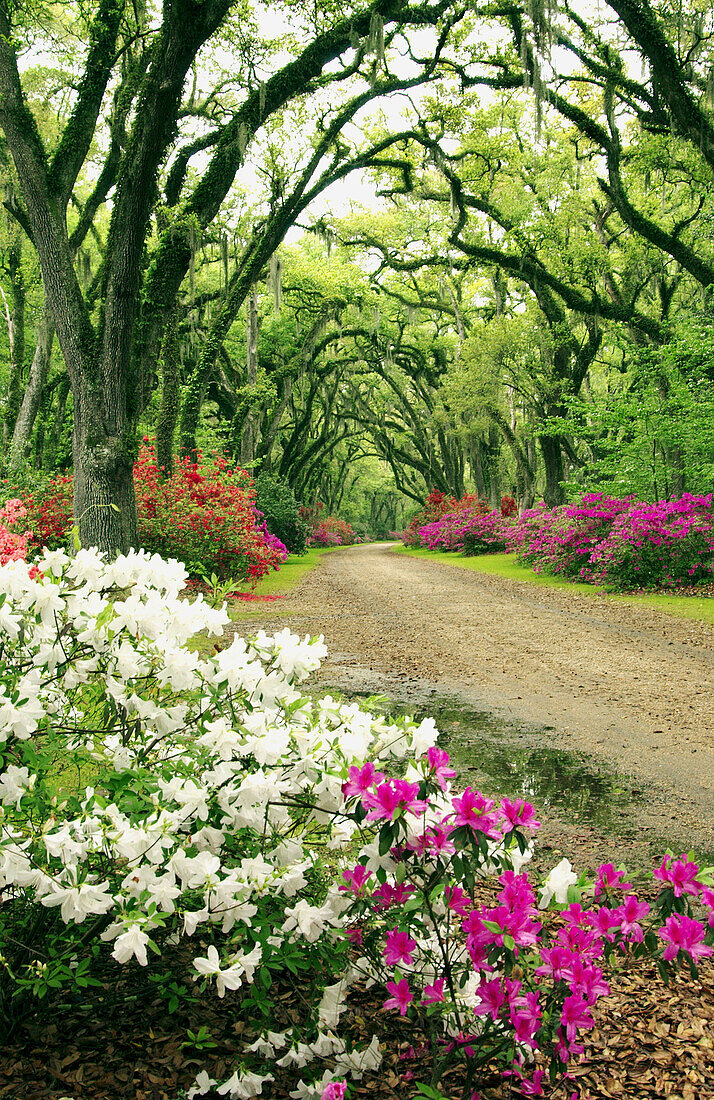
column 152, row 798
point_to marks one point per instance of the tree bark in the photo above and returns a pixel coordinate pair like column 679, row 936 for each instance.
column 552, row 454
column 16, row 336
column 168, row 413
column 248, row 441
column 37, row 380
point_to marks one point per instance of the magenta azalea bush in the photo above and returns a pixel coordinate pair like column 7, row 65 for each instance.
column 621, row 543
column 469, row 532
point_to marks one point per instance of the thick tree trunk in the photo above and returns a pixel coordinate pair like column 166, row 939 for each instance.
column 552, row 453
column 39, row 371
column 248, row 440
column 103, row 450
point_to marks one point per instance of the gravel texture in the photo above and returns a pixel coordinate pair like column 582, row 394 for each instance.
column 630, row 686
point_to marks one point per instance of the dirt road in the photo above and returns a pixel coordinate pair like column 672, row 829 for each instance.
column 632, row 686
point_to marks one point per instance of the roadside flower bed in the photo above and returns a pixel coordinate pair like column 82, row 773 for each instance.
column 470, row 529
column 436, row 507
column 204, row 515
column 327, row 530
column 622, row 543
column 190, row 850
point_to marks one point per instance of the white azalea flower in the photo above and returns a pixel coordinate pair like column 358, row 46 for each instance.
column 14, row 783
column 130, row 944
column 244, row 1086
column 556, row 885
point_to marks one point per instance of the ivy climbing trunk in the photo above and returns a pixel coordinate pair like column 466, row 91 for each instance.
column 168, row 413
column 248, row 440
column 16, row 337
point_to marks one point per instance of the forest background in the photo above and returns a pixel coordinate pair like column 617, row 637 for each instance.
column 521, row 304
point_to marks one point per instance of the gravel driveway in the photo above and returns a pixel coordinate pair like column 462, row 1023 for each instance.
column 631, row 686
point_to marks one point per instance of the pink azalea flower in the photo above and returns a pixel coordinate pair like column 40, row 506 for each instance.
column 680, row 874
column 556, row 962
column 361, row 779
column 532, row 1086
column 708, row 900
column 576, row 1014
column 475, row 811
column 334, row 1090
column 605, row 922
column 629, row 914
column 355, row 879
column 682, row 933
column 457, row 900
column 517, row 892
column 610, row 879
column 586, row 980
column 438, row 759
column 401, row 996
column 391, row 796
column 519, row 814
column 399, row 948
column 388, row 895
column 525, row 1015
column 433, row 992
column 490, row 999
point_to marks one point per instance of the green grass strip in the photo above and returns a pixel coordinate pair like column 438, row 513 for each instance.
column 279, row 582
column 505, row 565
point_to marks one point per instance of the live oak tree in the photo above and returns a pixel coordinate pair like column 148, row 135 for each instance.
column 131, row 91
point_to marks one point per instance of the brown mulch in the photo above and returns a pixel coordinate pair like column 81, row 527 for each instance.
column 650, row 1040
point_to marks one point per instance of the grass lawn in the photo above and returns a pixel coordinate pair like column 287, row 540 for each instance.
column 505, row 565
column 277, row 583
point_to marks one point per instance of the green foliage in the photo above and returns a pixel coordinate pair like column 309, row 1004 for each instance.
column 276, row 500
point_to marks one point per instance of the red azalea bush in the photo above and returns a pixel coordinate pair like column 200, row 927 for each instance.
column 327, row 530
column 49, row 512
column 332, row 531
column 620, row 543
column 204, row 515
column 13, row 545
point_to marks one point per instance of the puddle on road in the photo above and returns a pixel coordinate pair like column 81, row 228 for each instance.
column 502, row 759
column 585, row 795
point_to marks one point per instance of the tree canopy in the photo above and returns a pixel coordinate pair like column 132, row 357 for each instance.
column 525, row 297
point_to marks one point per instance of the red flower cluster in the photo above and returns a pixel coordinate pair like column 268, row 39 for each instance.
column 203, row 515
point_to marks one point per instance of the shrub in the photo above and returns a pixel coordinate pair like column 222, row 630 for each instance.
column 327, row 530
column 621, row 543
column 13, row 545
column 204, row 515
column 276, row 501
column 49, row 512
column 214, row 783
column 333, row 531
column 468, row 532
column 653, row 545
column 437, row 505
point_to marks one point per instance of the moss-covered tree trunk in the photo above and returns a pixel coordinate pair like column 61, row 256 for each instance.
column 39, row 372
column 16, row 337
column 168, row 413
